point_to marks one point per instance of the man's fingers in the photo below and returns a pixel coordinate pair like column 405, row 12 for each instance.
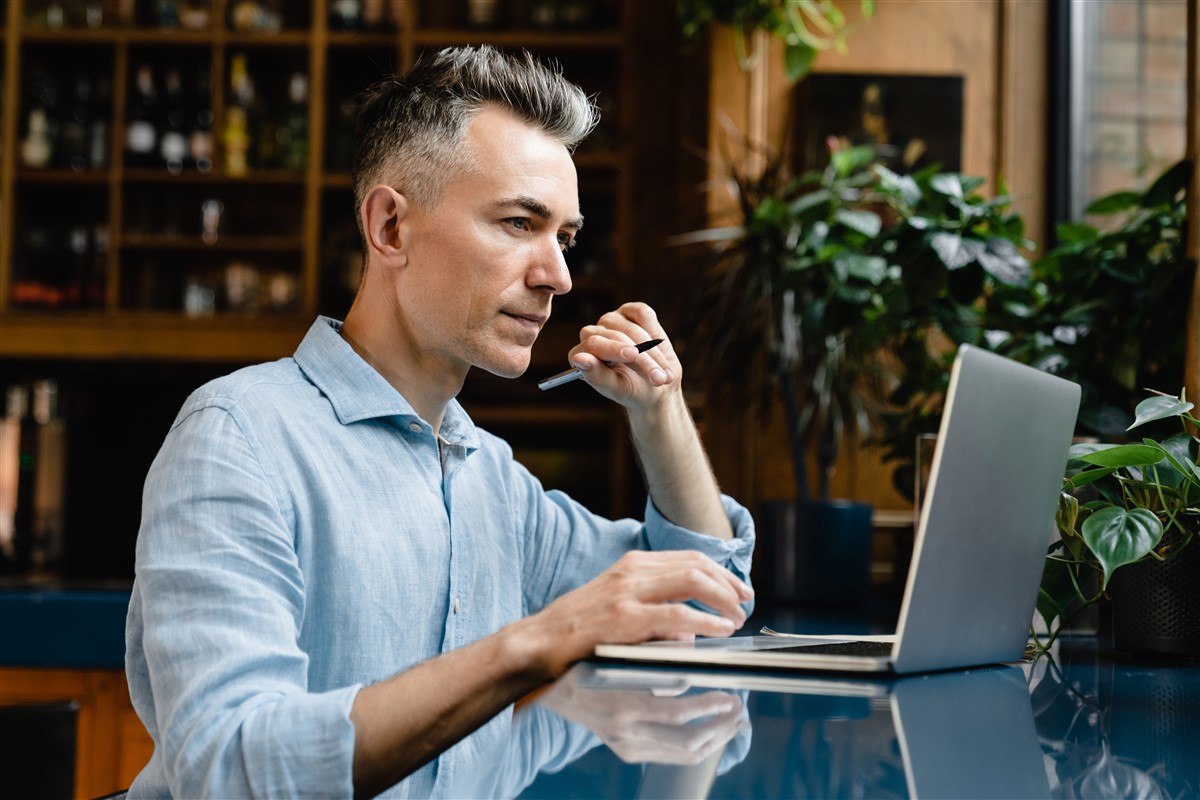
column 687, row 575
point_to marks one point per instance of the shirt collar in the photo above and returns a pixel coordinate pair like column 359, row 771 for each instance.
column 357, row 392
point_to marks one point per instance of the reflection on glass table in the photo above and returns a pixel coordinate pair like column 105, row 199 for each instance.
column 1084, row 725
column 672, row 733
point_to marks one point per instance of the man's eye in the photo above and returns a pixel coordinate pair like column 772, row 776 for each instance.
column 566, row 241
column 520, row 223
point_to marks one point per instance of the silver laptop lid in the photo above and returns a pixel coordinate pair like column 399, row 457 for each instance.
column 988, row 515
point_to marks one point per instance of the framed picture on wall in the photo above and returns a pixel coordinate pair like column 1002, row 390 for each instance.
column 913, row 121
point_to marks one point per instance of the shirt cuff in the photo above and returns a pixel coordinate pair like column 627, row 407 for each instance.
column 734, row 554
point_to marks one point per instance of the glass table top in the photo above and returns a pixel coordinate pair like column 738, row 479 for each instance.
column 1081, row 724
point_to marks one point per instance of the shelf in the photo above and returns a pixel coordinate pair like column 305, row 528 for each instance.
column 132, row 334
column 92, row 176
column 362, row 39
column 272, row 176
column 258, row 244
column 150, row 36
column 553, row 39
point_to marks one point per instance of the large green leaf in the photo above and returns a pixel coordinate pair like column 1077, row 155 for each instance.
column 1072, row 232
column 1091, row 476
column 1117, row 536
column 1110, row 204
column 872, row 269
column 867, row 223
column 1159, row 407
column 956, row 251
column 1124, row 455
column 1167, row 186
column 947, row 184
column 1004, row 263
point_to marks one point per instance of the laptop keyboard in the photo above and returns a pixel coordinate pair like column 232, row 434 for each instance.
column 873, row 649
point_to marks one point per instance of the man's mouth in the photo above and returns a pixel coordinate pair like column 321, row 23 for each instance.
column 532, row 320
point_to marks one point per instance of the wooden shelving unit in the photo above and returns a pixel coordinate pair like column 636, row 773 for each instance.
column 310, row 234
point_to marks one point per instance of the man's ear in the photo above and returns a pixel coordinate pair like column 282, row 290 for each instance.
column 384, row 211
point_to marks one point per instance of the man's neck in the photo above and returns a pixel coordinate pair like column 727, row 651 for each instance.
column 389, row 352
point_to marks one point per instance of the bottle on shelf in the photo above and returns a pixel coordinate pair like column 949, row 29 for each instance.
column 482, row 14
column 80, row 268
column 18, row 453
column 98, row 140
column 255, row 16
column 49, row 479
column 200, row 141
column 173, row 141
column 238, row 135
column 42, row 125
column 345, row 15
column 292, row 135
column 37, row 147
column 76, row 127
column 141, row 132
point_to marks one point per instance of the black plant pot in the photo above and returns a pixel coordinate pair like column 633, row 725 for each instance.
column 825, row 562
column 1156, row 605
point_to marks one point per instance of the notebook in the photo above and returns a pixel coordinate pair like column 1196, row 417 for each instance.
column 980, row 543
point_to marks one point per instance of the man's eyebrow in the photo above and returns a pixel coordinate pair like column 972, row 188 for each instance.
column 537, row 207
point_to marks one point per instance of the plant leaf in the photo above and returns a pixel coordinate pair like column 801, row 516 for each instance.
column 1002, row 261
column 867, row 223
column 948, row 184
column 955, row 251
column 799, row 59
column 1073, row 232
column 872, row 269
column 1091, row 476
column 1067, row 513
column 1168, row 185
column 1124, row 455
column 1056, row 592
column 1118, row 537
column 1109, row 204
column 1159, row 407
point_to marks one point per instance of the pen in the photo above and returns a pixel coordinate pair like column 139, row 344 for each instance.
column 573, row 373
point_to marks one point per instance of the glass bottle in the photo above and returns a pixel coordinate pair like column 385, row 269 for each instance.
column 238, row 137
column 141, row 133
column 173, row 146
column 293, row 133
column 200, row 143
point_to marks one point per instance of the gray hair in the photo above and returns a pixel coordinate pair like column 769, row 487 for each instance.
column 411, row 129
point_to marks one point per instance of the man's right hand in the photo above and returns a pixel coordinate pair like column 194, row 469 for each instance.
column 640, row 597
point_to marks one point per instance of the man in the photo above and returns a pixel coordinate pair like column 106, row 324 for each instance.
column 338, row 575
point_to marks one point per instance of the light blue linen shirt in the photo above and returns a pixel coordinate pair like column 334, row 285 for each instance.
column 303, row 536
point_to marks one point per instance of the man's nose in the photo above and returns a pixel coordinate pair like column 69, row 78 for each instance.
column 549, row 269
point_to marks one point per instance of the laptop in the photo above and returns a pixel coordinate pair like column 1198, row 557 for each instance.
column 980, row 544
column 963, row 734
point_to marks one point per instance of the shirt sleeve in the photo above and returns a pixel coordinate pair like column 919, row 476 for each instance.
column 222, row 600
column 566, row 545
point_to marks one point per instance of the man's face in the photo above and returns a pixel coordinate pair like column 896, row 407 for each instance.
column 484, row 264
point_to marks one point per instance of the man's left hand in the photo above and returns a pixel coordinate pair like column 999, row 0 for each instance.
column 608, row 358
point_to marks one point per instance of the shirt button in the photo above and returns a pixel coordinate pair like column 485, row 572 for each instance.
column 415, row 427
column 454, row 606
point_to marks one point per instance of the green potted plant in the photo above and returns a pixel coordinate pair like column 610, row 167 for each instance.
column 796, row 309
column 1100, row 309
column 1130, row 539
column 804, row 27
